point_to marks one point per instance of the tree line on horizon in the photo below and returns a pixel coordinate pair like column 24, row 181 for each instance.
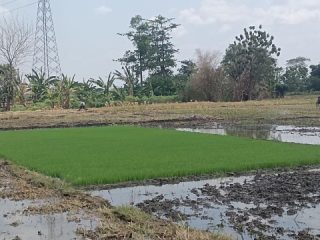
column 150, row 72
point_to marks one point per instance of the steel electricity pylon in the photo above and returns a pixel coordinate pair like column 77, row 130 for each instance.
column 46, row 57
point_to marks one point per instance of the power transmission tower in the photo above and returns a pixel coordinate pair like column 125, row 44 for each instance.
column 46, row 57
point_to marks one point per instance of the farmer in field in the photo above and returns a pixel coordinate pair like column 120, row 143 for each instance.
column 82, row 106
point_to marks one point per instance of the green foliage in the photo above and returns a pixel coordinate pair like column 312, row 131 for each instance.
column 314, row 78
column 117, row 154
column 103, row 88
column 153, row 49
column 9, row 80
column 314, row 83
column 187, row 68
column 129, row 79
column 162, row 85
column 250, row 63
column 40, row 84
column 139, row 35
column 296, row 74
column 280, row 90
column 65, row 90
column 315, row 70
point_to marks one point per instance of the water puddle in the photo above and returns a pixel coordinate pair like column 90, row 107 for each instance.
column 14, row 224
column 292, row 134
column 243, row 207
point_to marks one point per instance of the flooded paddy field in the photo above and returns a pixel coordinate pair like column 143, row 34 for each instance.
column 31, row 210
column 16, row 223
column 291, row 134
column 280, row 205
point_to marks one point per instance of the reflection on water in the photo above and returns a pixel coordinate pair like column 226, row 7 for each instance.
column 302, row 135
column 203, row 213
column 13, row 223
column 204, row 217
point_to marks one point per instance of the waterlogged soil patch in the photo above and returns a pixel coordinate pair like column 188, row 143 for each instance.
column 266, row 205
column 16, row 223
column 33, row 206
column 290, row 134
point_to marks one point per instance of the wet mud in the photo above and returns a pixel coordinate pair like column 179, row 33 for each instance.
column 35, row 207
column 278, row 205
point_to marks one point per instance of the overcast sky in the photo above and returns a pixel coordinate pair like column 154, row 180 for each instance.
column 87, row 30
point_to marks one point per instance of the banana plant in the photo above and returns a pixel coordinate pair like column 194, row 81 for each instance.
column 105, row 87
column 39, row 84
column 129, row 78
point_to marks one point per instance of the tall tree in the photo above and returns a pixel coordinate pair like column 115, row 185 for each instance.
column 153, row 50
column 162, row 57
column 15, row 47
column 296, row 74
column 315, row 77
column 251, row 63
column 186, row 70
column 140, row 37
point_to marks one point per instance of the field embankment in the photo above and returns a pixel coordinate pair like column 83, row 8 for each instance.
column 296, row 110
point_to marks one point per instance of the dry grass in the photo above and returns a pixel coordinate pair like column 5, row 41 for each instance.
column 131, row 223
column 299, row 110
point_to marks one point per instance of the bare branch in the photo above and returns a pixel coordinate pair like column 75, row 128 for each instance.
column 16, row 42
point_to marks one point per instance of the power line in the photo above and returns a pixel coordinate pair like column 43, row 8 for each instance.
column 8, row 2
column 21, row 7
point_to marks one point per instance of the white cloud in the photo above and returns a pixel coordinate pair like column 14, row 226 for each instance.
column 103, row 10
column 232, row 11
column 180, row 31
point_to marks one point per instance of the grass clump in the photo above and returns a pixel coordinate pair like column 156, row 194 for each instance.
column 102, row 155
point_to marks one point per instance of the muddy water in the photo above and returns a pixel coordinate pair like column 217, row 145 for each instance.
column 14, row 224
column 302, row 135
column 225, row 205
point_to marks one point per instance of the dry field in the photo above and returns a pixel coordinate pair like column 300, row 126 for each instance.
column 296, row 110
